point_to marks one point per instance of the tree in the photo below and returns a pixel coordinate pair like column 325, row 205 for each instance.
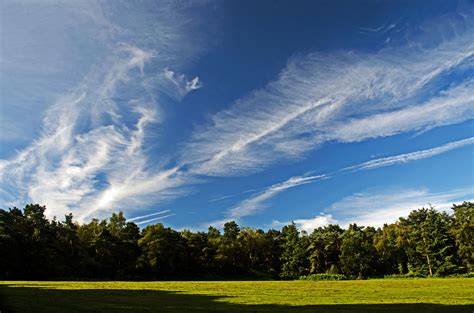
column 462, row 230
column 324, row 249
column 252, row 243
column 196, row 258
column 210, row 251
column 427, row 242
column 13, row 232
column 272, row 252
column 68, row 247
column 231, row 230
column 40, row 254
column 357, row 251
column 116, row 224
column 163, row 251
column 429, row 247
column 294, row 258
column 388, row 243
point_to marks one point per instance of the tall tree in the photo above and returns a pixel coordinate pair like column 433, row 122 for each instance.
column 430, row 248
column 163, row 251
column 294, row 259
column 253, row 244
column 196, row 258
column 229, row 254
column 357, row 251
column 463, row 232
column 426, row 242
column 231, row 230
column 325, row 248
column 272, row 252
column 388, row 243
column 13, row 230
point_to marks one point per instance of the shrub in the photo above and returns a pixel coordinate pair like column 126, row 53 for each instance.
column 409, row 275
column 323, row 277
column 466, row 275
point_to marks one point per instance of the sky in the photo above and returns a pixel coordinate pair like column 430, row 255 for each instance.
column 194, row 113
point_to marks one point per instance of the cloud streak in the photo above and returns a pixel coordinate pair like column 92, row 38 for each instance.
column 260, row 200
column 154, row 219
column 147, row 215
column 413, row 156
column 257, row 202
column 374, row 208
column 343, row 97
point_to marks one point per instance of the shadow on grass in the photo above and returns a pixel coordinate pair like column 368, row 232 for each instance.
column 33, row 300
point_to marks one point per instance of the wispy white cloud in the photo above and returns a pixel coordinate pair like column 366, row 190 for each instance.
column 383, row 28
column 259, row 200
column 310, row 224
column 222, row 198
column 61, row 168
column 44, row 51
column 412, row 156
column 180, row 85
column 376, row 207
column 345, row 97
column 147, row 215
column 154, row 219
column 450, row 107
column 91, row 155
column 49, row 47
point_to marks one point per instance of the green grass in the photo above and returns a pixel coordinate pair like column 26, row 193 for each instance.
column 384, row 295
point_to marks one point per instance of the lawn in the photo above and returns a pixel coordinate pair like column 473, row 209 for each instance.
column 384, row 295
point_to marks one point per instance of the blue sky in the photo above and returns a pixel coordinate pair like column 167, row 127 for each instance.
column 264, row 112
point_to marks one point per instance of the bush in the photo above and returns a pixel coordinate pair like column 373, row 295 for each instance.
column 466, row 275
column 409, row 275
column 417, row 275
column 323, row 277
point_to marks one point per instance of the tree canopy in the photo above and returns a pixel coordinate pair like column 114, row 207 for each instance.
column 426, row 243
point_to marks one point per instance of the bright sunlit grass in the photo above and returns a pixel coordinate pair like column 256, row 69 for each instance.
column 387, row 295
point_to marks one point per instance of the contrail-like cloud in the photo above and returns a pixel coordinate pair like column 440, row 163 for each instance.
column 378, row 207
column 259, row 200
column 147, row 215
column 154, row 219
column 413, row 156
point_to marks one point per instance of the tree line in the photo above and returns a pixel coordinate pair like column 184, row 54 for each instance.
column 426, row 243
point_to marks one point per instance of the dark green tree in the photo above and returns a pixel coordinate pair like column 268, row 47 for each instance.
column 462, row 229
column 294, row 258
column 231, row 230
column 430, row 248
column 357, row 251
column 163, row 251
column 325, row 248
column 388, row 242
column 427, row 242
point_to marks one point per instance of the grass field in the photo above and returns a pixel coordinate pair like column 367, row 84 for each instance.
column 416, row 295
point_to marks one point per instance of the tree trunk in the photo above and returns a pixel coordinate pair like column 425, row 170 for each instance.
column 429, row 264
column 427, row 257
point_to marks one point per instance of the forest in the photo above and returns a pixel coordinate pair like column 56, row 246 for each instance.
column 426, row 243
